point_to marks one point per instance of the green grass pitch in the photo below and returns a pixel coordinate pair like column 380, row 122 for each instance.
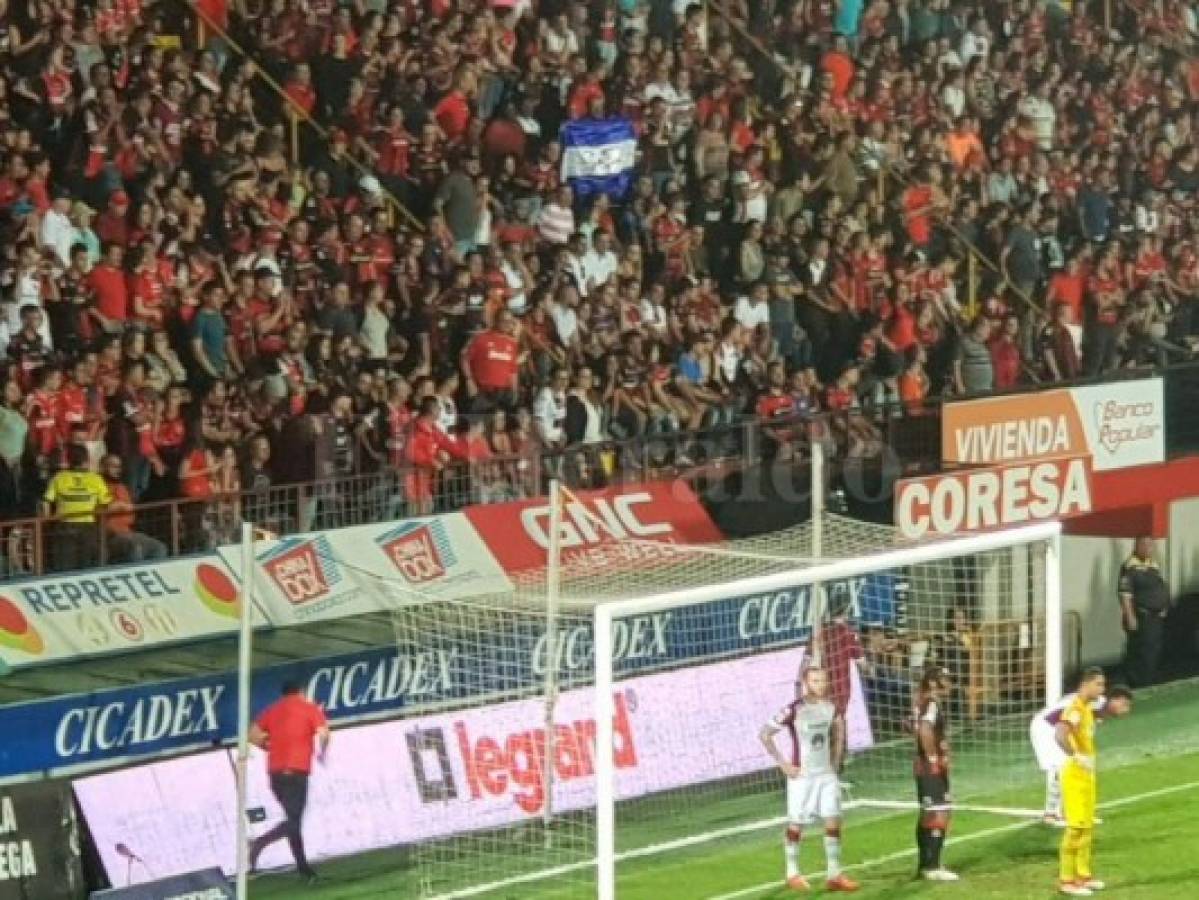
column 1146, row 849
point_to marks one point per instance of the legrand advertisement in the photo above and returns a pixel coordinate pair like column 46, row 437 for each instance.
column 1118, row 425
column 192, row 713
column 410, row 781
column 116, row 610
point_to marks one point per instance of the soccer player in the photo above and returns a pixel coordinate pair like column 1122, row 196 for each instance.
column 932, row 773
column 1075, row 733
column 1042, row 732
column 817, row 737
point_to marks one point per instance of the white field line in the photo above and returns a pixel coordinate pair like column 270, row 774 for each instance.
column 971, row 836
column 1028, row 817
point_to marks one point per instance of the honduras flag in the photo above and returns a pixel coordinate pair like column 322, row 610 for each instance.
column 598, row 156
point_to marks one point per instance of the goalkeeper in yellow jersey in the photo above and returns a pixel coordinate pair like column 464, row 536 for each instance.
column 1075, row 734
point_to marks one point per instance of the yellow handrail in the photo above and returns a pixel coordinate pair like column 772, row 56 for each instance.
column 297, row 114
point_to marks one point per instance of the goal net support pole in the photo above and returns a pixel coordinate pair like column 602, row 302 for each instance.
column 605, row 614
column 553, row 581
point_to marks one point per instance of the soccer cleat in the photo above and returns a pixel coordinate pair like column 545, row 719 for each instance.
column 842, row 884
column 1053, row 821
column 798, row 883
column 1093, row 884
column 1074, row 889
column 939, row 875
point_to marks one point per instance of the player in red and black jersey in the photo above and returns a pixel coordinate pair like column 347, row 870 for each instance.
column 931, row 731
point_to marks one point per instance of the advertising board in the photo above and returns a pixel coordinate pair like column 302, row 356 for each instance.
column 1118, row 424
column 419, row 779
column 57, row 618
column 993, row 497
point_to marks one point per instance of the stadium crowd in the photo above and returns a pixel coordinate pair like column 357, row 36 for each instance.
column 416, row 285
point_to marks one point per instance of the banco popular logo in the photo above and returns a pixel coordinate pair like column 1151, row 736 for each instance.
column 303, row 569
column 17, row 632
column 420, row 551
column 217, row 591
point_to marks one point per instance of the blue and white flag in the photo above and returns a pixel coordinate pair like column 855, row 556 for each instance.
column 598, row 155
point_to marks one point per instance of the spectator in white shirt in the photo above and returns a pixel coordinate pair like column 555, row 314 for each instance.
column 57, row 231
column 728, row 354
column 571, row 259
column 549, row 410
column 753, row 309
column 654, row 319
column 447, row 407
column 976, row 41
column 556, row 223
column 564, row 314
column 1038, row 109
column 599, row 263
column 516, row 276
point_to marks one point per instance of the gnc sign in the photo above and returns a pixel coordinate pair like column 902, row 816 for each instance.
column 611, row 529
column 996, row 497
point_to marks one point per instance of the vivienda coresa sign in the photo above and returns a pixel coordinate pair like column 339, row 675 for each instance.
column 1118, row 425
column 993, row 497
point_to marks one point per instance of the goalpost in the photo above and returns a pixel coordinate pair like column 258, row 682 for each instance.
column 1016, row 650
column 607, row 708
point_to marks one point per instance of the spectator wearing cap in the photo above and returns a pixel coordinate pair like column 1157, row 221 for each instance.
column 112, row 225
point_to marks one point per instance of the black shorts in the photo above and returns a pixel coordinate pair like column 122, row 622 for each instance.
column 933, row 791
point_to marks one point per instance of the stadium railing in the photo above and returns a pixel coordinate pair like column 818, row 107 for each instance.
column 45, row 545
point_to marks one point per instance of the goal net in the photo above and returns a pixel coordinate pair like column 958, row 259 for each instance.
column 689, row 765
column 675, row 656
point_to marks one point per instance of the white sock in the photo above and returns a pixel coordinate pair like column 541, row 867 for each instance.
column 832, row 855
column 1053, row 793
column 791, row 854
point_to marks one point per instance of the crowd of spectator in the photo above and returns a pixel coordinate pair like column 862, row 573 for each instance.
column 204, row 306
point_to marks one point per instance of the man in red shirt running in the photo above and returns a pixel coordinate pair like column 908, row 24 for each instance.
column 287, row 731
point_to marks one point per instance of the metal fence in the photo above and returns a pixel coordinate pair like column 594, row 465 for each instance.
column 36, row 546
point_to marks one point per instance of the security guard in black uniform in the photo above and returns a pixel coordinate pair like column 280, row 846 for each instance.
column 1144, row 604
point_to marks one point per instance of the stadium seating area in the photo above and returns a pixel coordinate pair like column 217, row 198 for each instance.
column 249, row 244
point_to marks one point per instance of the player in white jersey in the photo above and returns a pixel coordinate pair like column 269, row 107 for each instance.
column 1051, row 757
column 817, row 736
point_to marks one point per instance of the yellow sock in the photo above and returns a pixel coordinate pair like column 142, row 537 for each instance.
column 1068, row 855
column 1082, row 861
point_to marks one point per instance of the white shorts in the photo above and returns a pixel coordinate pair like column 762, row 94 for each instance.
column 811, row 797
column 1050, row 755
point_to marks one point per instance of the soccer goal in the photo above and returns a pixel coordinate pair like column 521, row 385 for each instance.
column 688, row 766
column 496, row 779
